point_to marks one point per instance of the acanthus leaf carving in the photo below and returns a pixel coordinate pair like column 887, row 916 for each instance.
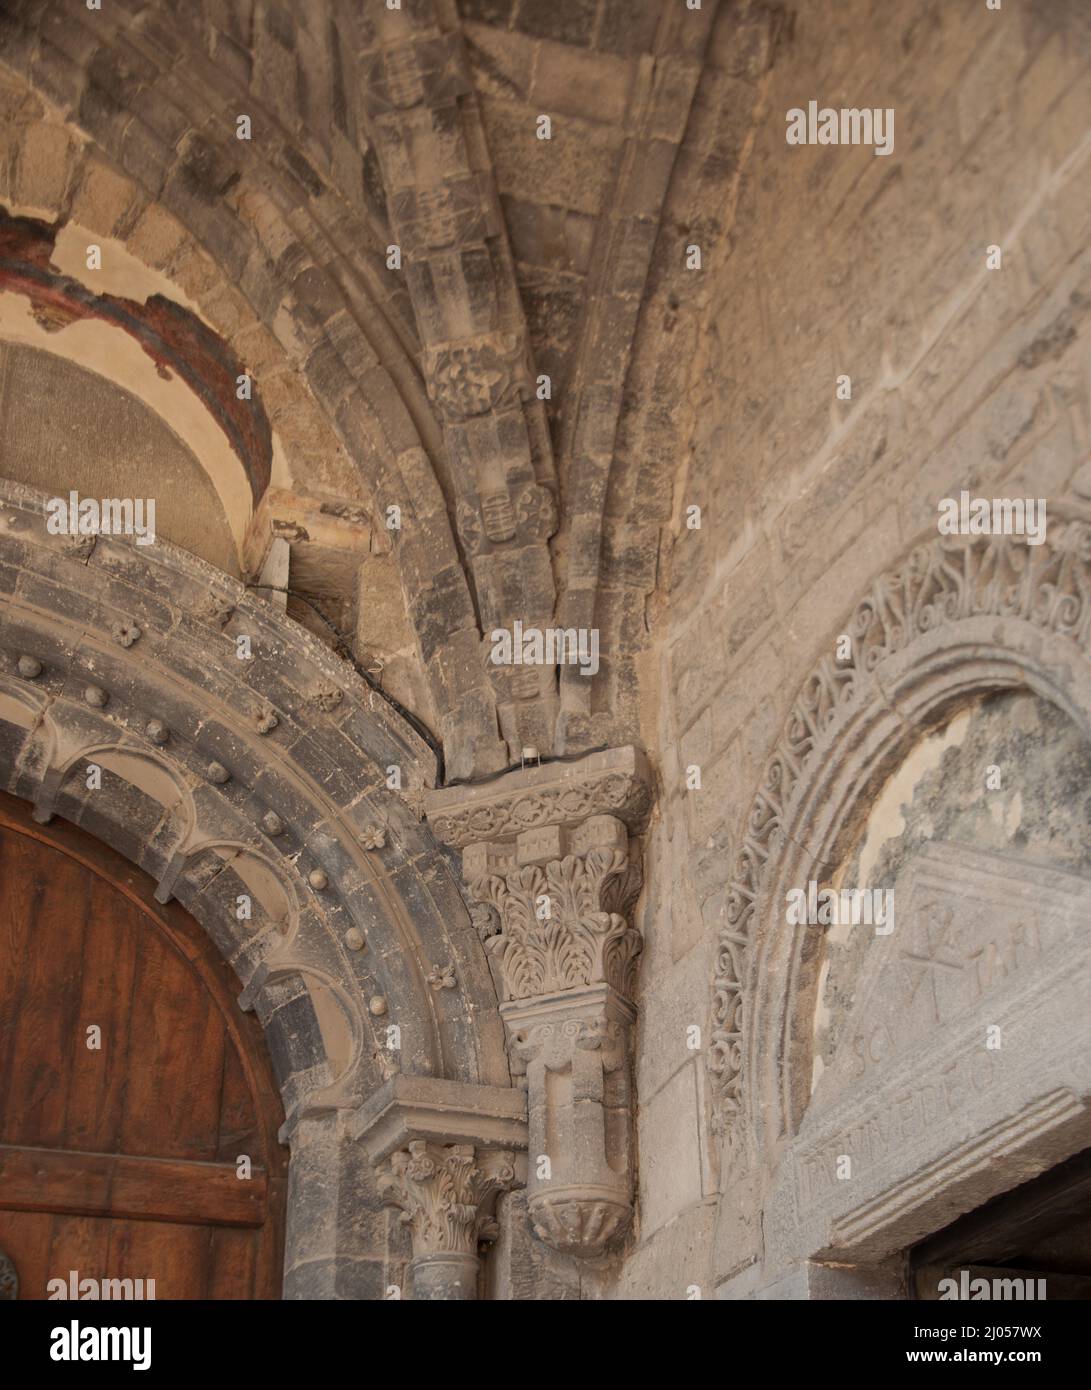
column 446, row 1193
column 548, row 860
column 559, row 927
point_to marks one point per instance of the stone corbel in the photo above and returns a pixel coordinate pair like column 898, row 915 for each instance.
column 547, row 855
column 444, row 1151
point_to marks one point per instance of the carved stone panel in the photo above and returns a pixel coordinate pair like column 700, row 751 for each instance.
column 964, row 1066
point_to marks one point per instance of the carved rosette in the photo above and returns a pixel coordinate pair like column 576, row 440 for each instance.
column 555, row 890
column 446, row 1193
column 472, row 377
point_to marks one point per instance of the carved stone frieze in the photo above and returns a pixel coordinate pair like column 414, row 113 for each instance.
column 616, row 782
column 476, row 363
column 548, row 859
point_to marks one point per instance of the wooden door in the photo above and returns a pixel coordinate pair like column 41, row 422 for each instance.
column 120, row 1161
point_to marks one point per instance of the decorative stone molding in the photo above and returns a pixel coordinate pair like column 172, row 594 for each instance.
column 445, row 215
column 548, row 857
column 615, row 782
column 959, row 615
column 443, row 1152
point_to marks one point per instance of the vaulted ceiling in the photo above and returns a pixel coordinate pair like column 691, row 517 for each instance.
column 465, row 345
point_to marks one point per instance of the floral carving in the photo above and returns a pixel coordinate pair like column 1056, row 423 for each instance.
column 442, row 977
column 327, row 698
column 948, row 580
column 485, row 920
column 445, row 1193
column 536, row 512
column 622, row 793
column 563, row 923
column 266, row 721
column 79, row 547
column 471, row 379
column 214, row 610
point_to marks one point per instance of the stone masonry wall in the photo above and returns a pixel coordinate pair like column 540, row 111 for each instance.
column 841, row 262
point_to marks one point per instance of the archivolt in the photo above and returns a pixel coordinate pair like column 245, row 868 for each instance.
column 260, row 781
column 958, row 617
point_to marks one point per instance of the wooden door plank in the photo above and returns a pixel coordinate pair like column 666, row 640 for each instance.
column 177, row 1257
column 79, row 1244
column 231, row 1268
column 112, row 944
column 45, row 1020
column 172, row 1100
column 239, row 1130
column 123, row 1186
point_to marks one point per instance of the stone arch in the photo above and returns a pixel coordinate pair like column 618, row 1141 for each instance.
column 129, row 655
column 328, row 335
column 958, row 618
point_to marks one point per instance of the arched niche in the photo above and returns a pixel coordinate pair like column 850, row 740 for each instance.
column 263, row 778
column 960, row 620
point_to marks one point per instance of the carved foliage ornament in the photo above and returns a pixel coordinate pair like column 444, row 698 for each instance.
column 622, row 793
column 948, row 580
column 445, row 1193
column 468, row 379
column 564, row 923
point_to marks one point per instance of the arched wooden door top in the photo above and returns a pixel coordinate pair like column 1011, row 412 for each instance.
column 122, row 1160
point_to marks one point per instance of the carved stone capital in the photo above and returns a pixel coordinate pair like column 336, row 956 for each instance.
column 443, row 1152
column 548, row 857
column 562, row 897
column 446, row 1193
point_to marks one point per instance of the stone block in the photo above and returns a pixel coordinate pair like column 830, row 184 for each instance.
column 670, row 1162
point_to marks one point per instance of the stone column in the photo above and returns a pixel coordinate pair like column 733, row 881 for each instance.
column 446, row 1193
column 547, row 854
column 443, row 1152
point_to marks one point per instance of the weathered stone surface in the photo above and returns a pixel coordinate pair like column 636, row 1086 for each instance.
column 491, row 382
